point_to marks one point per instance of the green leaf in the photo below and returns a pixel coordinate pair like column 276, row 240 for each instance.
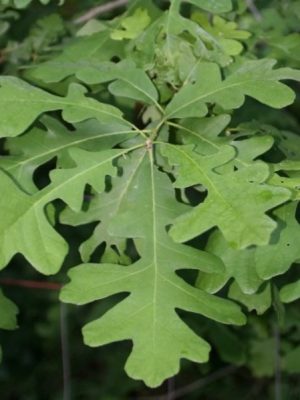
column 236, row 201
column 147, row 316
column 16, row 94
column 256, row 79
column 8, row 313
column 290, row 292
column 229, row 346
column 213, row 6
column 283, row 249
column 25, row 3
column 39, row 146
column 129, row 81
column 208, row 136
column 91, row 168
column 239, row 264
column 24, row 225
column 25, row 229
column 260, row 302
column 81, row 54
column 132, row 26
column 290, row 361
column 225, row 33
column 105, row 206
column 262, row 357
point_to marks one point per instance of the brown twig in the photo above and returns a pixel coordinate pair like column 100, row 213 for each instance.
column 65, row 351
column 254, row 10
column 96, row 11
column 198, row 384
column 171, row 388
column 30, row 284
column 278, row 375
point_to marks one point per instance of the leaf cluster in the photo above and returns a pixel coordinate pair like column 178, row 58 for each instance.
column 141, row 127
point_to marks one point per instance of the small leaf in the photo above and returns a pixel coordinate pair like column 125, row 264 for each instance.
column 260, row 302
column 236, row 201
column 132, row 26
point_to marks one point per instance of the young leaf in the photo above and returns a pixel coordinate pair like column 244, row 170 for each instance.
column 225, row 33
column 256, row 79
column 236, row 201
column 147, row 316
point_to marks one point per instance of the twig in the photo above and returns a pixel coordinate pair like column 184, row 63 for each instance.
column 31, row 284
column 65, row 352
column 198, row 384
column 171, row 389
column 96, row 11
column 252, row 7
column 278, row 377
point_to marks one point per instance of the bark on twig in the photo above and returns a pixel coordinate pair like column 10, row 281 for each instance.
column 254, row 10
column 30, row 284
column 198, row 384
column 66, row 364
column 99, row 10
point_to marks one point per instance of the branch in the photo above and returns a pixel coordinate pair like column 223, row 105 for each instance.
column 198, row 384
column 31, row 284
column 65, row 351
column 96, row 11
column 278, row 377
column 254, row 10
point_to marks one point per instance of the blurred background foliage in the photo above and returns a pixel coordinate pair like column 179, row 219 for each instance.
column 248, row 363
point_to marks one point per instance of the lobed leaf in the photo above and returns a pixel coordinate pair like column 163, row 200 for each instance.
column 255, row 78
column 28, row 102
column 39, row 146
column 236, row 201
column 148, row 315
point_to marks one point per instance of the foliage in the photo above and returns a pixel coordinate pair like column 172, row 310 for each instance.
column 166, row 138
